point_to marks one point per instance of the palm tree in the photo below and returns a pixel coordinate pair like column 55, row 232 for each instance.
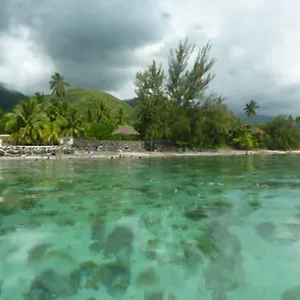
column 71, row 123
column 120, row 117
column 51, row 132
column 58, row 85
column 39, row 97
column 102, row 113
column 251, row 108
column 26, row 121
column 89, row 115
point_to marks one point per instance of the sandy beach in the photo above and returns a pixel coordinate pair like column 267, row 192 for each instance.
column 139, row 155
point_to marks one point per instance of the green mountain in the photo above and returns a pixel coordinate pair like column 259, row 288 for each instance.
column 256, row 120
column 9, row 98
column 84, row 98
column 132, row 102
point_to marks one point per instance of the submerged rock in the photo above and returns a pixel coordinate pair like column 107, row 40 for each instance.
column 66, row 222
column 29, row 203
column 171, row 296
column 291, row 293
column 218, row 295
column 219, row 208
column 96, row 247
column 10, row 202
column 6, row 230
column 91, row 275
column 49, row 285
column 152, row 248
column 37, row 252
column 196, row 214
column 224, row 273
column 265, row 229
column 147, row 278
column 120, row 238
column 294, row 229
column 154, row 296
column 128, row 211
column 98, row 229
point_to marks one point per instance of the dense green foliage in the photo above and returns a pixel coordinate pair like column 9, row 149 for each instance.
column 177, row 106
column 43, row 119
column 173, row 105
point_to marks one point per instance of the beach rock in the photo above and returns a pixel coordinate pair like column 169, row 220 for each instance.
column 110, row 146
column 34, row 150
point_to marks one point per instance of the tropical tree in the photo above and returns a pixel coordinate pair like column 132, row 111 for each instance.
column 26, row 122
column 214, row 123
column 168, row 105
column 121, row 118
column 281, row 133
column 102, row 113
column 51, row 133
column 89, row 115
column 251, row 109
column 71, row 123
column 2, row 120
column 150, row 88
column 58, row 85
column 39, row 97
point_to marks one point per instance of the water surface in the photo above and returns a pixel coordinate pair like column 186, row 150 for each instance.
column 177, row 228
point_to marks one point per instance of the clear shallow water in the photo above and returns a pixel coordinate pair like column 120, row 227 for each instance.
column 156, row 229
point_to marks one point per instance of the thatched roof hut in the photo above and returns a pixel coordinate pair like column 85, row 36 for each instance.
column 125, row 130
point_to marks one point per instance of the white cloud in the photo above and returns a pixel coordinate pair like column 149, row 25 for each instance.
column 24, row 67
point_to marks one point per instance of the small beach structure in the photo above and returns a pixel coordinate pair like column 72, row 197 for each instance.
column 125, row 130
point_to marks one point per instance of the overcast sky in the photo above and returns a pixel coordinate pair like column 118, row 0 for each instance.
column 102, row 44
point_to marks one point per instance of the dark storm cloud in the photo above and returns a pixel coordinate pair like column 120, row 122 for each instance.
column 4, row 15
column 89, row 42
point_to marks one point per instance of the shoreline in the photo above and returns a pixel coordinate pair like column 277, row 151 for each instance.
column 139, row 155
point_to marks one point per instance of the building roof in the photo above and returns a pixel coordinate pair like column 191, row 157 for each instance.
column 125, row 130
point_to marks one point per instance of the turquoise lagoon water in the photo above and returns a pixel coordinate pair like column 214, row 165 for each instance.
column 157, row 229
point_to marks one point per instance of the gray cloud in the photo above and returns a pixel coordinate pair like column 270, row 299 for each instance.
column 90, row 43
column 94, row 44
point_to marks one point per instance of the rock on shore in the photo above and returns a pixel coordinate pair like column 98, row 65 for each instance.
column 14, row 151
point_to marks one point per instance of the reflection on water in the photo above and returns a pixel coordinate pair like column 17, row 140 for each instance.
column 182, row 228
